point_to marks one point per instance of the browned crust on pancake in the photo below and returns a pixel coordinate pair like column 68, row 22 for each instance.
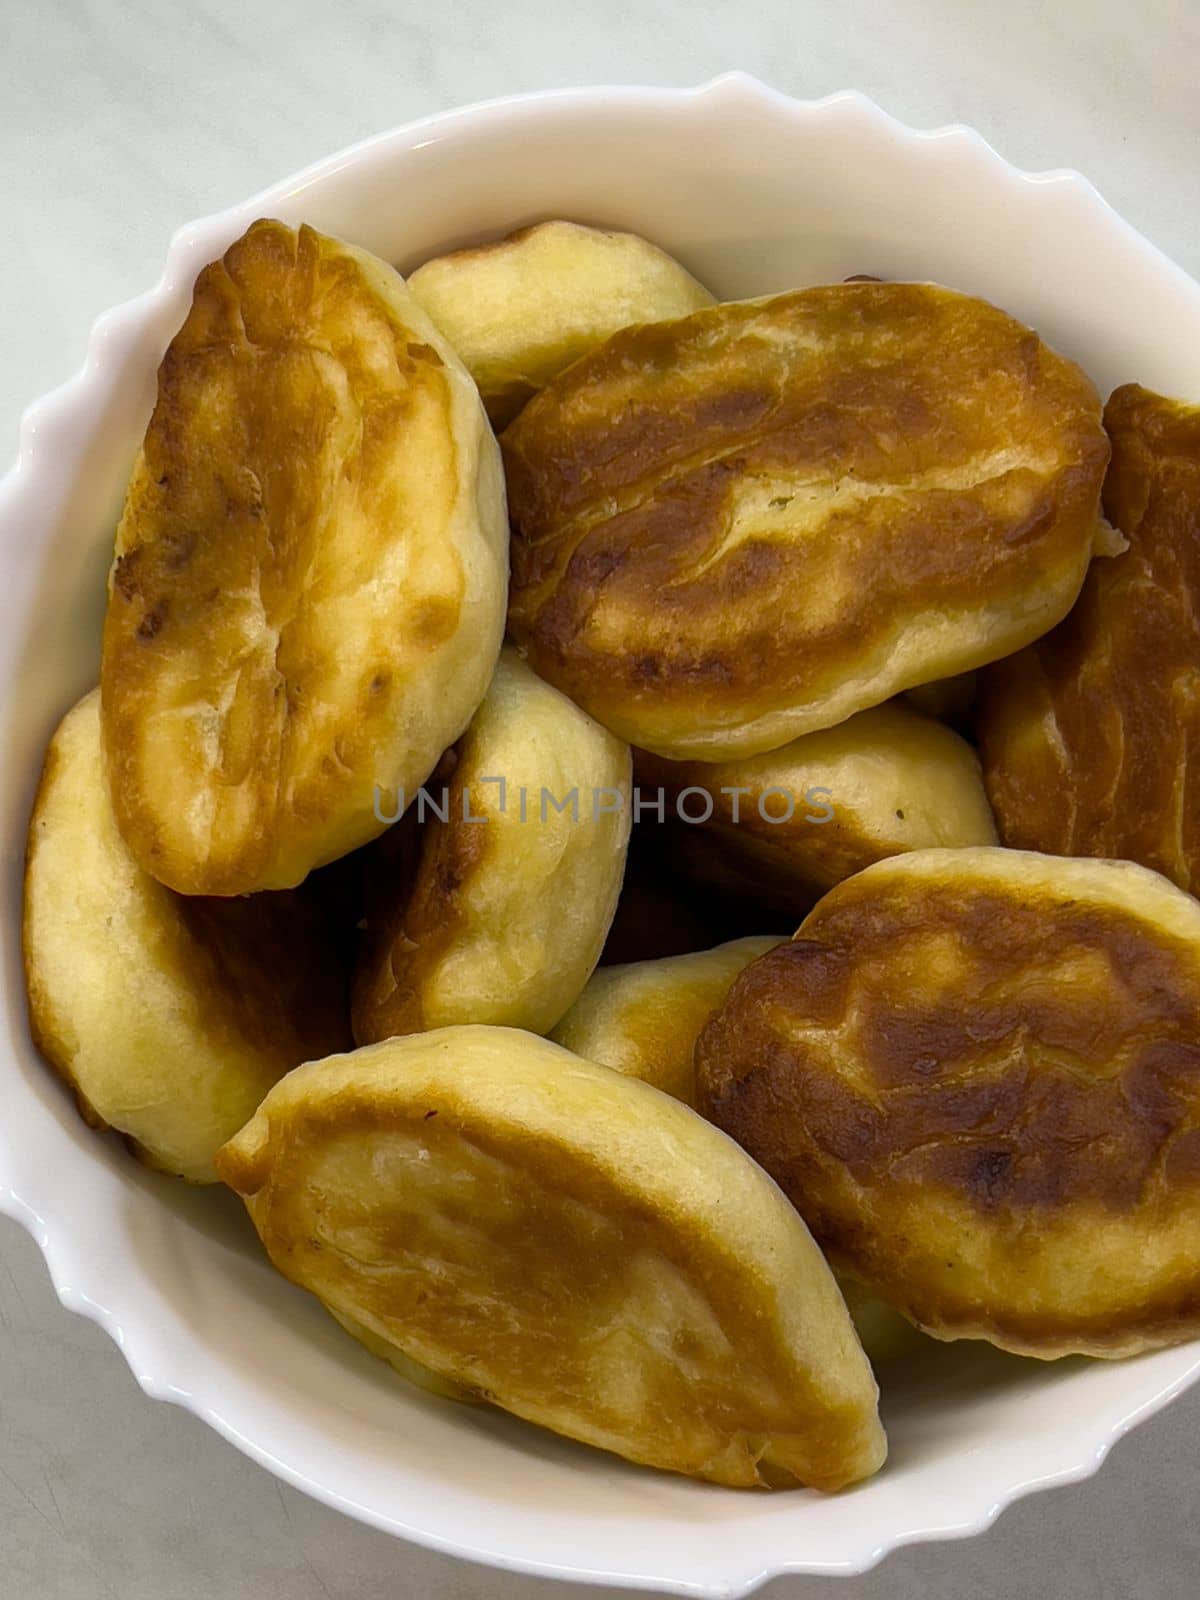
column 416, row 906
column 298, row 561
column 1091, row 737
column 962, row 1088
column 659, row 1298
column 967, row 455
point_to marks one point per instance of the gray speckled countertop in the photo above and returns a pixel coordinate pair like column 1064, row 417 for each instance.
column 120, row 119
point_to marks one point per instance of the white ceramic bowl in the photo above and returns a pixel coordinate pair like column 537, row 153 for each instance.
column 755, row 192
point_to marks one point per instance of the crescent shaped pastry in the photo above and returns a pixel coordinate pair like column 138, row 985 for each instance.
column 575, row 1246
column 497, row 906
column 786, row 825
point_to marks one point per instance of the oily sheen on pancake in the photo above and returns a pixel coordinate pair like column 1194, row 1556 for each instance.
column 784, row 826
column 1090, row 737
column 488, row 1202
column 977, row 1075
column 521, row 309
column 497, row 912
column 169, row 1017
column 739, row 527
column 307, row 598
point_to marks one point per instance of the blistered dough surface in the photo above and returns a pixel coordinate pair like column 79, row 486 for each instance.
column 749, row 524
column 977, row 1074
column 308, row 591
column 1091, row 737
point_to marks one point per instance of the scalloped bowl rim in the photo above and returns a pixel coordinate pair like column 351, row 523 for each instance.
column 25, row 1193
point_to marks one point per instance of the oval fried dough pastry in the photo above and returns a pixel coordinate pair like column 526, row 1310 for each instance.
column 1090, row 738
column 749, row 524
column 308, row 592
column 501, row 912
column 583, row 1250
column 789, row 824
column 521, row 309
column 977, row 1075
column 643, row 1018
column 169, row 1017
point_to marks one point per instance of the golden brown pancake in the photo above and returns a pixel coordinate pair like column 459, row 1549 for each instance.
column 577, row 1247
column 1091, row 737
column 643, row 1018
column 307, row 598
column 501, row 910
column 521, row 309
column 169, row 1017
column 749, row 524
column 789, row 824
column 977, row 1075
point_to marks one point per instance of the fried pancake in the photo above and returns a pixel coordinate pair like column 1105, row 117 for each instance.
column 977, row 1075
column 308, row 593
column 521, row 309
column 749, row 524
column 169, row 1017
column 643, row 1018
column 577, row 1247
column 1091, row 737
column 789, row 824
column 502, row 911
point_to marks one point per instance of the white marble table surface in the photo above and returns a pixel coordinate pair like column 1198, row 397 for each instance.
column 120, row 119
